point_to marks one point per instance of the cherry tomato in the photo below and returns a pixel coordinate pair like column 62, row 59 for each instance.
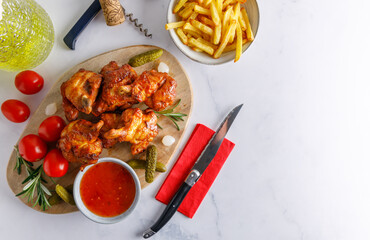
column 15, row 110
column 55, row 165
column 32, row 148
column 51, row 128
column 29, row 82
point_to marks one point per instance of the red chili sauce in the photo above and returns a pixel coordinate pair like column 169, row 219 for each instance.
column 107, row 189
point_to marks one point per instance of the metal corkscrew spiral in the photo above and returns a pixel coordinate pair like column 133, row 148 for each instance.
column 135, row 21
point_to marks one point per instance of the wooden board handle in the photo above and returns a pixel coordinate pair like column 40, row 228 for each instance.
column 113, row 12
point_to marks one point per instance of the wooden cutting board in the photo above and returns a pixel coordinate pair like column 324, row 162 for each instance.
column 121, row 150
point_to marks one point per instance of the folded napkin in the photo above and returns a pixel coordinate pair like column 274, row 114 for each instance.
column 192, row 150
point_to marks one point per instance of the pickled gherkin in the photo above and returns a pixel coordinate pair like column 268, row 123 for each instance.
column 145, row 57
column 141, row 164
column 64, row 194
column 54, row 199
column 151, row 161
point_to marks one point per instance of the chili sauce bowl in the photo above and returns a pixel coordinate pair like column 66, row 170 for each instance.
column 108, row 191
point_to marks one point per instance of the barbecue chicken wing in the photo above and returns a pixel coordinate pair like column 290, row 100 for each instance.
column 156, row 89
column 164, row 96
column 147, row 83
column 116, row 88
column 134, row 126
column 79, row 141
column 111, row 121
column 79, row 93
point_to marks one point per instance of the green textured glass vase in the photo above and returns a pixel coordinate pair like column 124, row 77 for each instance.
column 26, row 34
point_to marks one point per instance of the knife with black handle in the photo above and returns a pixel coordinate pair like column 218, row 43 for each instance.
column 199, row 167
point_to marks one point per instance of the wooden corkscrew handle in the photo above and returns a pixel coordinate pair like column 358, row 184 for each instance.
column 113, row 12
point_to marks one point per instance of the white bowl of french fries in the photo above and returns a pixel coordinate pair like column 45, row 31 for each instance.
column 213, row 31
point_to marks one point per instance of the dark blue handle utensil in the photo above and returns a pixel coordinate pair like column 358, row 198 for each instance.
column 90, row 13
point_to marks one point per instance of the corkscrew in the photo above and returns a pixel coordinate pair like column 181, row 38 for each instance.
column 136, row 23
column 71, row 37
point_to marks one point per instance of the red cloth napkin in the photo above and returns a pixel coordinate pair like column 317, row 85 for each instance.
column 192, row 150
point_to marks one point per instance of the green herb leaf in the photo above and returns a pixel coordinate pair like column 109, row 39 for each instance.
column 21, row 161
column 174, row 117
column 35, row 187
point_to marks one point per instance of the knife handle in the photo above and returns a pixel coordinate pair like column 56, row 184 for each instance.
column 172, row 207
column 71, row 37
column 169, row 211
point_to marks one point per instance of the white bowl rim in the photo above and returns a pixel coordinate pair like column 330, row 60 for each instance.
column 206, row 59
column 92, row 216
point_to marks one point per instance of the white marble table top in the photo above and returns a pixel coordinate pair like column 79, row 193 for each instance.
column 300, row 168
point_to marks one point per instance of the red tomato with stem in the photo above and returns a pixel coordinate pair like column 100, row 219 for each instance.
column 29, row 82
column 55, row 165
column 15, row 110
column 32, row 148
column 51, row 128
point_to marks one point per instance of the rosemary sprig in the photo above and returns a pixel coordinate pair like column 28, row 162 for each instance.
column 20, row 161
column 34, row 183
column 174, row 117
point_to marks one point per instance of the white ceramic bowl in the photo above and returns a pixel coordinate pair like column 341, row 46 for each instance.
column 96, row 218
column 253, row 13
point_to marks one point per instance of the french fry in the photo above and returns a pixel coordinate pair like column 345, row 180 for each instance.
column 226, row 19
column 182, row 36
column 181, row 12
column 207, row 3
column 197, row 49
column 235, row 16
column 187, row 4
column 250, row 35
column 202, row 10
column 192, row 34
column 232, row 36
column 190, row 27
column 239, row 42
column 232, row 47
column 193, row 15
column 228, row 3
column 202, row 40
column 202, row 27
column 185, row 14
column 217, row 34
column 236, row 10
column 174, row 25
column 206, row 21
column 242, row 23
column 207, row 37
column 214, row 14
column 219, row 7
column 179, row 5
column 201, row 46
column 225, row 39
